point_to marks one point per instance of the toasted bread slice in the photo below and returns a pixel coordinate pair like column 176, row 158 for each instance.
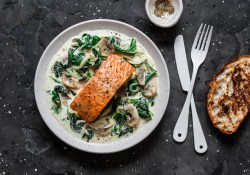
column 96, row 94
column 229, row 95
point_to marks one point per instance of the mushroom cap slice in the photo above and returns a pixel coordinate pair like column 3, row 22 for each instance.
column 140, row 73
column 103, row 126
column 150, row 89
column 105, row 46
column 133, row 117
column 73, row 83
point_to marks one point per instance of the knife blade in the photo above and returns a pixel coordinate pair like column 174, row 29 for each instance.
column 181, row 62
column 183, row 72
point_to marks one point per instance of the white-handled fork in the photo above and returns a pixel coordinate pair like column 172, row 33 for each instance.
column 198, row 55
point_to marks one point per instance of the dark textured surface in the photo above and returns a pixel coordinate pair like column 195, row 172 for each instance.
column 28, row 146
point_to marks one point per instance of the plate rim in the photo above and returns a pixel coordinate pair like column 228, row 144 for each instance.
column 75, row 140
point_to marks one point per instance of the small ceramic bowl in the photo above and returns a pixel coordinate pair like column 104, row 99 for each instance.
column 167, row 20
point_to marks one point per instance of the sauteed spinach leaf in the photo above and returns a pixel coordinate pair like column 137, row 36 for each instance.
column 130, row 50
column 88, row 74
column 89, row 134
column 125, row 131
column 91, row 63
column 56, row 109
column 60, row 89
column 120, row 118
column 56, row 98
column 74, row 57
column 150, row 73
column 58, row 68
column 98, row 55
column 88, row 41
column 76, row 122
column 142, row 106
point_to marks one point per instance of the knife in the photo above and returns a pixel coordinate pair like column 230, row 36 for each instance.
column 183, row 72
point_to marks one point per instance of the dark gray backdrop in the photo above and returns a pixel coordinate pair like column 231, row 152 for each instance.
column 28, row 146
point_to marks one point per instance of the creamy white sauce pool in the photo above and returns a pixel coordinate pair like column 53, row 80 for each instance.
column 62, row 55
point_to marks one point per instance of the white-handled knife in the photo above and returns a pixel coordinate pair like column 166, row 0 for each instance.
column 182, row 68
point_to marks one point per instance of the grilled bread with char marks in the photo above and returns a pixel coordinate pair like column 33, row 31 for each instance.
column 228, row 100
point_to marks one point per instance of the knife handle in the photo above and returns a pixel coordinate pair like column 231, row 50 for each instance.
column 200, row 143
column 181, row 127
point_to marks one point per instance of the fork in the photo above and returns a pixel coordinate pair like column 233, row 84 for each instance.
column 198, row 54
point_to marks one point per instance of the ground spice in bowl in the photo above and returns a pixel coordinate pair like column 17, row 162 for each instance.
column 162, row 7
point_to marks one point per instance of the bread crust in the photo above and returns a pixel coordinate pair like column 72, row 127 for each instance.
column 227, row 111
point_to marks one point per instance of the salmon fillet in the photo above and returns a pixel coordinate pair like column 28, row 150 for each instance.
column 110, row 76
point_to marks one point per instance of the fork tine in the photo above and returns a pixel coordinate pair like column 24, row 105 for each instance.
column 209, row 39
column 197, row 37
column 201, row 37
column 205, row 38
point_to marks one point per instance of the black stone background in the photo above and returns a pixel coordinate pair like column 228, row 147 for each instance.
column 27, row 146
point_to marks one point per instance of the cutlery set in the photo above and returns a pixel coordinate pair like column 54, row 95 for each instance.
column 198, row 54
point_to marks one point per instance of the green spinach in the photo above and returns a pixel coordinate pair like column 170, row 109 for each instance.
column 150, row 73
column 89, row 134
column 88, row 64
column 98, row 55
column 125, row 131
column 120, row 118
column 58, row 68
column 56, row 98
column 76, row 122
column 74, row 57
column 56, row 109
column 60, row 89
column 88, row 41
column 142, row 106
column 91, row 63
column 88, row 74
column 116, row 130
column 132, row 49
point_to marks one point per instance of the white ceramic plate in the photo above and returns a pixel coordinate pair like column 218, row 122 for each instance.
column 160, row 102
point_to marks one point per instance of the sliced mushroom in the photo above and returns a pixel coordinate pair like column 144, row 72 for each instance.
column 105, row 46
column 74, row 42
column 133, row 119
column 64, row 99
column 140, row 72
column 65, row 102
column 73, row 83
column 151, row 88
column 102, row 126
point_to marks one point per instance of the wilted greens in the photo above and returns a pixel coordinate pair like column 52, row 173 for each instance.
column 89, row 134
column 76, row 122
column 58, row 68
column 130, row 50
column 88, row 41
column 142, row 106
column 120, row 118
column 150, row 73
